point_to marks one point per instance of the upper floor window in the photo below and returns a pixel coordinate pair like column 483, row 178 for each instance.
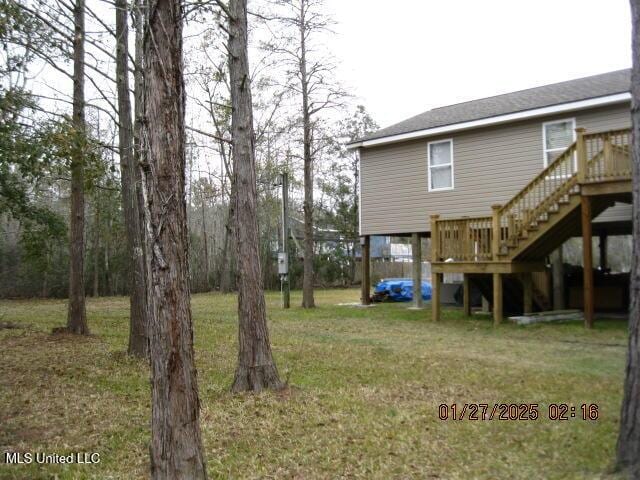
column 556, row 137
column 440, row 165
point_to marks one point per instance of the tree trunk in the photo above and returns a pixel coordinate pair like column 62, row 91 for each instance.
column 77, row 315
column 139, row 161
column 308, row 276
column 628, row 448
column 138, row 339
column 205, row 245
column 256, row 369
column 96, row 248
column 228, row 262
column 108, row 291
column 176, row 445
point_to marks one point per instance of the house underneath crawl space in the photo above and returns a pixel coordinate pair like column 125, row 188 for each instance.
column 496, row 186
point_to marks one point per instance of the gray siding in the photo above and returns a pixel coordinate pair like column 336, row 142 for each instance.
column 490, row 165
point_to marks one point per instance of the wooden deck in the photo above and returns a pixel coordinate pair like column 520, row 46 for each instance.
column 587, row 178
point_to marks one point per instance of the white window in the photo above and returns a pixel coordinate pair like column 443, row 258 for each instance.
column 556, row 137
column 440, row 165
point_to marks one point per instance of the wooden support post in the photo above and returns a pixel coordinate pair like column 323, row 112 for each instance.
column 466, row 295
column 581, row 153
column 527, row 297
column 557, row 268
column 366, row 269
column 416, row 254
column 436, row 280
column 435, row 239
column 497, row 298
column 587, row 273
column 495, row 231
column 603, row 251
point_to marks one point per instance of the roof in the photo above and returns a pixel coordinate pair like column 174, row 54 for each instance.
column 596, row 86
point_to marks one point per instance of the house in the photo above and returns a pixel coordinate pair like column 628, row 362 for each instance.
column 385, row 250
column 499, row 183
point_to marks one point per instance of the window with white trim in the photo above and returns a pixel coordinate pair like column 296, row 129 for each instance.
column 440, row 165
column 556, row 137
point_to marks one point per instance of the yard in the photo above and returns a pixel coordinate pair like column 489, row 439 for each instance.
column 365, row 386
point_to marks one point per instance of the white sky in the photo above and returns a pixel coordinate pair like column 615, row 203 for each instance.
column 404, row 57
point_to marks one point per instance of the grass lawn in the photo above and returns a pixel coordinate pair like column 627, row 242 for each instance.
column 365, row 386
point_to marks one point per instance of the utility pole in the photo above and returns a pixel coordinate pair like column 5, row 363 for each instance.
column 283, row 255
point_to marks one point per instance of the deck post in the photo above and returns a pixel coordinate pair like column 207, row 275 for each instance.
column 416, row 253
column 497, row 298
column 581, row 153
column 436, row 278
column 527, row 289
column 557, row 274
column 466, row 295
column 365, row 242
column 435, row 239
column 436, row 281
column 587, row 272
column 495, row 228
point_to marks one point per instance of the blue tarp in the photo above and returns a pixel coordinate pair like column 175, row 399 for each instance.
column 400, row 289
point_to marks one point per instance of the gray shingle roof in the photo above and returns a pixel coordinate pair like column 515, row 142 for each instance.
column 538, row 97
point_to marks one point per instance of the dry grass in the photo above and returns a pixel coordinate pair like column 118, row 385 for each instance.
column 366, row 385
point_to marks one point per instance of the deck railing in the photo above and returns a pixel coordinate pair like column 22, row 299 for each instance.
column 608, row 156
column 465, row 239
column 596, row 157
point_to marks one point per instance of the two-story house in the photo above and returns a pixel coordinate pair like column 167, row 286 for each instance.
column 499, row 183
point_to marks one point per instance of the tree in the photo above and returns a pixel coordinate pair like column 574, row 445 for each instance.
column 342, row 182
column 176, row 445
column 138, row 312
column 310, row 81
column 628, row 449
column 256, row 369
column 77, row 315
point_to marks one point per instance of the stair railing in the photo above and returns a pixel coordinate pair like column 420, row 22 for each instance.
column 591, row 158
column 553, row 183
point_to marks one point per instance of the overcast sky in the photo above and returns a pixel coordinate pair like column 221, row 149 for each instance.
column 404, row 57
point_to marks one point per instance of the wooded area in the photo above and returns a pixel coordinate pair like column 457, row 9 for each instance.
column 133, row 160
column 38, row 93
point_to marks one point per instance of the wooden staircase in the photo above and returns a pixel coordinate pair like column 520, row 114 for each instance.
column 587, row 178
